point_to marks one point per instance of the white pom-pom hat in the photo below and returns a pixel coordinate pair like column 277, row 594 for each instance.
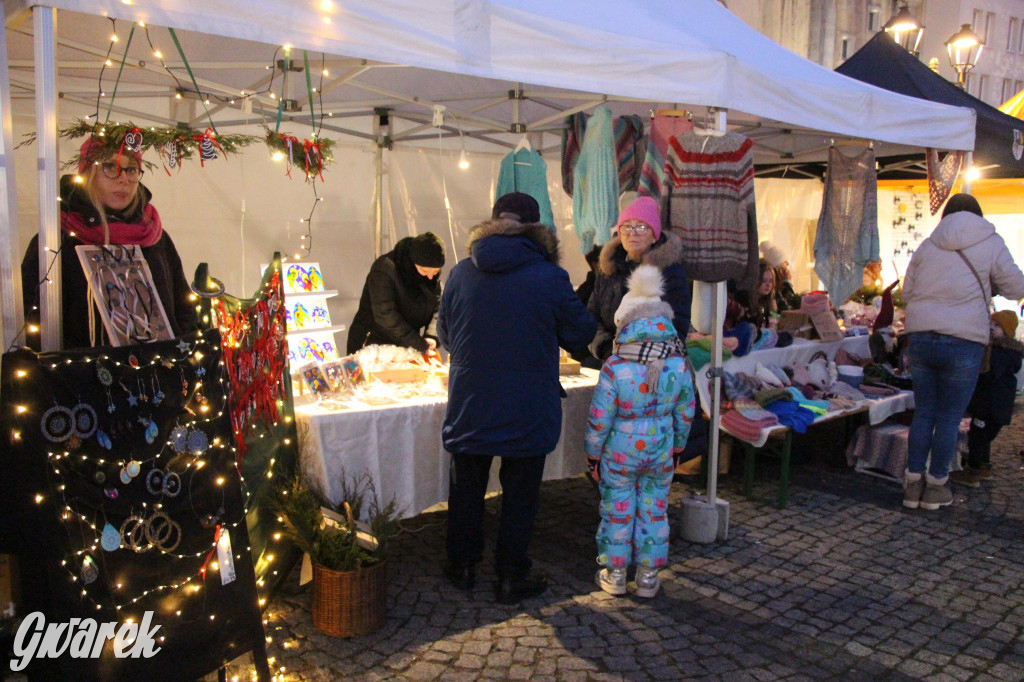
column 645, row 288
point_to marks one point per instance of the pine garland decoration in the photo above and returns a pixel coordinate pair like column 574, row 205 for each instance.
column 184, row 140
column 311, row 155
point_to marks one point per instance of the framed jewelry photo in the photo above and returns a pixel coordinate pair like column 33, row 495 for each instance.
column 121, row 286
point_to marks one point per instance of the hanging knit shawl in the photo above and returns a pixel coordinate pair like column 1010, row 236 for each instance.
column 847, row 237
column 708, row 201
column 652, row 173
column 651, row 353
column 628, row 134
column 595, row 205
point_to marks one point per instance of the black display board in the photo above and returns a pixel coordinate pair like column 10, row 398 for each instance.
column 119, row 493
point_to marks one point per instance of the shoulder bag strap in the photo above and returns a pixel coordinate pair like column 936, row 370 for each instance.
column 984, row 296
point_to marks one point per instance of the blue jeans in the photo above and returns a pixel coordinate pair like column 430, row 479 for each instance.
column 944, row 370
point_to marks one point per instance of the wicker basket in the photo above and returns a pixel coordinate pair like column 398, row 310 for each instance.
column 349, row 603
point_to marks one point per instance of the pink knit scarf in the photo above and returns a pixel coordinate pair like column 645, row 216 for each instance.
column 146, row 232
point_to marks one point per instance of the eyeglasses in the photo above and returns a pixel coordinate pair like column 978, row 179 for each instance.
column 635, row 229
column 112, row 171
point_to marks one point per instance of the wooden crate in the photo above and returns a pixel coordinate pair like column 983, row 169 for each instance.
column 568, row 366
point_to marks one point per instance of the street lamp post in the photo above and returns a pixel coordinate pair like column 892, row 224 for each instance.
column 964, row 49
column 905, row 29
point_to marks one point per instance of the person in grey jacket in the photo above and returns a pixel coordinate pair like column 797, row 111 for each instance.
column 948, row 285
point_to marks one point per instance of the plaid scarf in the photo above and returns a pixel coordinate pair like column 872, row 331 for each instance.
column 651, row 353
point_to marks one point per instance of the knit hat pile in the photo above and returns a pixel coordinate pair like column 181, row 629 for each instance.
column 741, row 427
column 1007, row 319
column 752, row 411
column 771, row 395
column 647, row 211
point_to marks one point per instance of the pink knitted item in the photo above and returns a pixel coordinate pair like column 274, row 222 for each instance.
column 815, row 302
column 644, row 209
column 741, row 427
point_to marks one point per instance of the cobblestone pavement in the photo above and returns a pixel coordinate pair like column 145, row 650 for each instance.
column 843, row 584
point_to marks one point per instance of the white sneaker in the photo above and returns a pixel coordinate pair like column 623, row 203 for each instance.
column 612, row 580
column 647, row 581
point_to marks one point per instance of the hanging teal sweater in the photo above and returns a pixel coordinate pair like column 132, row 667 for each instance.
column 525, row 171
column 595, row 199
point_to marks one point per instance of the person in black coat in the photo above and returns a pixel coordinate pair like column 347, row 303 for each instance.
column 992, row 402
column 108, row 206
column 639, row 240
column 400, row 297
column 504, row 313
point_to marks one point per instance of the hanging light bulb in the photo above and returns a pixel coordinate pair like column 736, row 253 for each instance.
column 463, row 160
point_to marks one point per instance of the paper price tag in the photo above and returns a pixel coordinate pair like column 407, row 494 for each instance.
column 225, row 559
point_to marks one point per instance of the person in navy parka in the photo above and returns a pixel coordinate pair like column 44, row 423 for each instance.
column 504, row 313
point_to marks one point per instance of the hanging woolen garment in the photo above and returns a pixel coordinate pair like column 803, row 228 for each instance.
column 847, row 237
column 709, row 202
column 630, row 148
column 652, row 173
column 595, row 204
column 526, row 171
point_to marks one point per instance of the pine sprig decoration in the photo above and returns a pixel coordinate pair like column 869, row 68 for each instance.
column 337, row 547
column 185, row 140
column 312, row 156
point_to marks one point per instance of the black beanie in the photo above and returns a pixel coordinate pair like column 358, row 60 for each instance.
column 517, row 206
column 427, row 251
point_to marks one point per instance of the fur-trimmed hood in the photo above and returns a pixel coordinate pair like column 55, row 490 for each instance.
column 662, row 254
column 1009, row 344
column 543, row 240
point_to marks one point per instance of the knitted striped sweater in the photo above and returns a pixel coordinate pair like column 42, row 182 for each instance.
column 709, row 202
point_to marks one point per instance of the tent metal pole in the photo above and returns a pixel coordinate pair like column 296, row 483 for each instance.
column 381, row 130
column 10, row 277
column 44, row 28
column 965, row 186
column 718, row 319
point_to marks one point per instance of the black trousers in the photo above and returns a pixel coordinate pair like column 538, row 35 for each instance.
column 520, row 479
column 979, row 442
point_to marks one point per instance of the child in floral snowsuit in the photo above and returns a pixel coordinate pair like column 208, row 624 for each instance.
column 640, row 414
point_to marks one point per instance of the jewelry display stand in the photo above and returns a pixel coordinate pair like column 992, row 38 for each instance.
column 122, row 501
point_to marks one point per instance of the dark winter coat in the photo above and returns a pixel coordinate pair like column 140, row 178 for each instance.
column 610, row 286
column 996, row 389
column 162, row 257
column 504, row 313
column 397, row 305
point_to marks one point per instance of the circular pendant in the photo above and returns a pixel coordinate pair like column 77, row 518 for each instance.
column 100, row 477
column 154, row 481
column 125, row 476
column 197, row 442
column 171, row 485
column 84, row 420
column 179, row 439
column 103, row 375
column 57, row 424
column 133, row 361
column 133, row 468
column 104, row 440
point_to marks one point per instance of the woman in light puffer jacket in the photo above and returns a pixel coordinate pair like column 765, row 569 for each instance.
column 947, row 320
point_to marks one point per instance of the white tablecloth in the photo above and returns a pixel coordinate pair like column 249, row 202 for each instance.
column 400, row 445
column 801, row 350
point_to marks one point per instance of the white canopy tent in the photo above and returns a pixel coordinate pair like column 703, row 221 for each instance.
column 470, row 56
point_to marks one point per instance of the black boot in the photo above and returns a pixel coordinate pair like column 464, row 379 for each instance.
column 509, row 590
column 460, row 575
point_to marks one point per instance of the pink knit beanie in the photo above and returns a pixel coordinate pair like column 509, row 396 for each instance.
column 95, row 149
column 646, row 210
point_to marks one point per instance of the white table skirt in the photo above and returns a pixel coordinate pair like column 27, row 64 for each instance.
column 801, row 350
column 400, row 446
